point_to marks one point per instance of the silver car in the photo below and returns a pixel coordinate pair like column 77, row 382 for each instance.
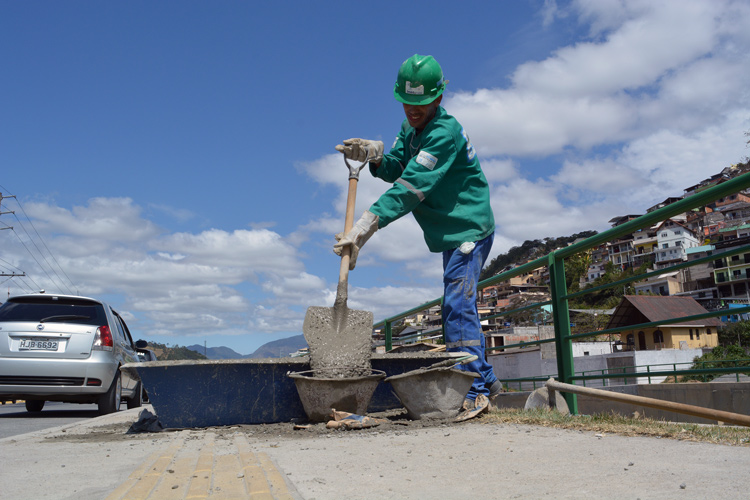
column 65, row 348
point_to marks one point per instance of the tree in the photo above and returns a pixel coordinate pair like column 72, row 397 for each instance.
column 609, row 298
column 735, row 334
column 575, row 267
column 719, row 357
column 528, row 250
column 586, row 323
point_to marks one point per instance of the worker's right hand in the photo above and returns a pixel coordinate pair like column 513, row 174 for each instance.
column 362, row 150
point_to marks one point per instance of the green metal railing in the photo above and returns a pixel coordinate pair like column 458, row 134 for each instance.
column 639, row 372
column 555, row 262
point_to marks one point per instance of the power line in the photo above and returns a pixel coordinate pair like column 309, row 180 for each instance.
column 21, row 281
column 41, row 254
column 43, row 243
column 43, row 268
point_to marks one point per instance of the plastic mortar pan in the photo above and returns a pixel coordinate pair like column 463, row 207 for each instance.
column 320, row 392
column 432, row 392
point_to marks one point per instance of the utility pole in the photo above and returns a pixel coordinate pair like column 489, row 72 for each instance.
column 11, row 275
column 2, row 213
column 1, row 202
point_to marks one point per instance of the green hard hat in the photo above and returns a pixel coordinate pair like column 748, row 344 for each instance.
column 420, row 80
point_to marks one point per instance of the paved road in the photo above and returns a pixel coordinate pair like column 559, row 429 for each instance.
column 15, row 420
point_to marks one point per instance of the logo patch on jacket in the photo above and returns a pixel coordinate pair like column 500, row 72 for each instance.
column 426, row 160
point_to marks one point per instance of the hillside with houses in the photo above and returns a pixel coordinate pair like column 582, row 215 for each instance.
column 718, row 284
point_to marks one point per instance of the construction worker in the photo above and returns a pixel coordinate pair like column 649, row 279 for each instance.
column 436, row 175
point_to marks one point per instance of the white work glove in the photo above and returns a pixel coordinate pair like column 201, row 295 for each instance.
column 362, row 150
column 357, row 236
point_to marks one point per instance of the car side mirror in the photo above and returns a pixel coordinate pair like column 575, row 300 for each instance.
column 141, row 344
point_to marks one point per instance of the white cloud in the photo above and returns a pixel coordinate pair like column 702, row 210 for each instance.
column 549, row 12
column 256, row 250
column 524, row 123
column 298, row 289
column 605, row 178
column 499, row 170
column 389, row 300
column 639, row 75
column 111, row 219
column 187, row 286
column 634, row 54
column 527, row 210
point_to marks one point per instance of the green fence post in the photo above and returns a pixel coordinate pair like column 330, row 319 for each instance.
column 388, row 335
column 561, row 316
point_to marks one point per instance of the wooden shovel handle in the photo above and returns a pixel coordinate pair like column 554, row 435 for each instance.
column 351, row 199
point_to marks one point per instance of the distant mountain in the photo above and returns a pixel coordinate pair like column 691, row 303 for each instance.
column 280, row 348
column 276, row 349
column 216, row 352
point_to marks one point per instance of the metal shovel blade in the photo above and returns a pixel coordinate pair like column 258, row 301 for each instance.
column 340, row 340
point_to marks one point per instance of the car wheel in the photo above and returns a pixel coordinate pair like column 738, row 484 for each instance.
column 109, row 402
column 137, row 400
column 34, row 405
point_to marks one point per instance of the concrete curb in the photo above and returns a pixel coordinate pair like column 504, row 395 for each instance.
column 112, row 418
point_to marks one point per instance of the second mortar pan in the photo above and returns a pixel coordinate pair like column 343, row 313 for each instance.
column 432, row 392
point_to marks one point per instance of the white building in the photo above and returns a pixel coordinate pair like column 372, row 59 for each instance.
column 673, row 238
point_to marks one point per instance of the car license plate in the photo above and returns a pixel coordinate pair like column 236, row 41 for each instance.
column 38, row 345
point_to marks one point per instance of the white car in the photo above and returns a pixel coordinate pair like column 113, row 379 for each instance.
column 65, row 348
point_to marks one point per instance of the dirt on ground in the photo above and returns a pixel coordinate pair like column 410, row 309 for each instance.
column 383, row 422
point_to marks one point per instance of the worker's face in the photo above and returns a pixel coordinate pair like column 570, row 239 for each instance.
column 420, row 115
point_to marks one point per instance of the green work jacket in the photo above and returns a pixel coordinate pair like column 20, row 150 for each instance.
column 437, row 176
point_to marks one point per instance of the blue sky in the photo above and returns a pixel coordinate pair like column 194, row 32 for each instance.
column 176, row 158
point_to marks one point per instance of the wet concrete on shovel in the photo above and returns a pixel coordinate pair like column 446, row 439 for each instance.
column 337, row 341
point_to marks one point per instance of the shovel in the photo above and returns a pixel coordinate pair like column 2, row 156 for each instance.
column 340, row 339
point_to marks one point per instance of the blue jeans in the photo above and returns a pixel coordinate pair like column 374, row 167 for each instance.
column 463, row 332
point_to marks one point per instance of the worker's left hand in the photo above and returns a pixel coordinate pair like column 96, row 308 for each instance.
column 357, row 236
column 362, row 150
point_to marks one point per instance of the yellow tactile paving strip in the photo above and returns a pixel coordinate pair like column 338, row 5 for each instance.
column 204, row 471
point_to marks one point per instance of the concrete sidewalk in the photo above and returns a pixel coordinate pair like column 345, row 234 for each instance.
column 96, row 459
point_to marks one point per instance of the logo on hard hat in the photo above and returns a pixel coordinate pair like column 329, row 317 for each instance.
column 414, row 90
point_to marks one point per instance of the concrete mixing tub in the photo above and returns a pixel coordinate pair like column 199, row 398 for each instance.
column 209, row 393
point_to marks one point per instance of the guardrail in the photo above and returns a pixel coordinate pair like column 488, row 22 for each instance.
column 637, row 373
column 560, row 298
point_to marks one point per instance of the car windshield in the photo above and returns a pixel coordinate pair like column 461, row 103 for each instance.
column 76, row 311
